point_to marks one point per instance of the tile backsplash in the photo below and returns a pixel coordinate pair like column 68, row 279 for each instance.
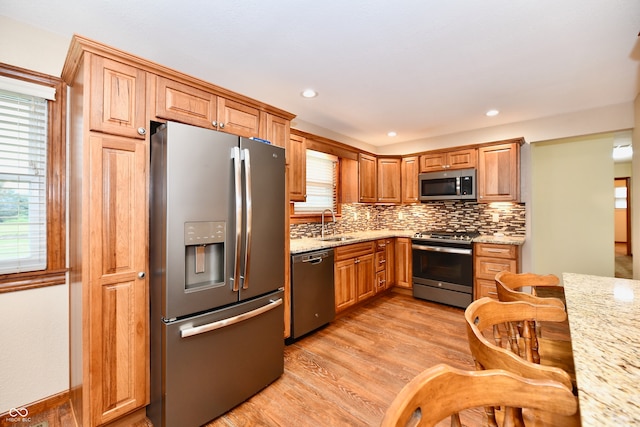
column 507, row 218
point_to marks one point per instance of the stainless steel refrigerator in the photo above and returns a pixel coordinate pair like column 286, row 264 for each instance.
column 216, row 253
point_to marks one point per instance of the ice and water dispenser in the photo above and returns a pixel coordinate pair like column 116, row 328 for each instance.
column 204, row 254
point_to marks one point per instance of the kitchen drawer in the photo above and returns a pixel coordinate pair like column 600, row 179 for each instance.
column 381, row 281
column 353, row 250
column 380, row 261
column 487, row 268
column 495, row 250
column 485, row 288
column 381, row 245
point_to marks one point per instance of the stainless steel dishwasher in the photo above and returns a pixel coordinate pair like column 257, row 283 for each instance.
column 312, row 292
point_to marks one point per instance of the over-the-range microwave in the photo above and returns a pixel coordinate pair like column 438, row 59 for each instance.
column 448, row 185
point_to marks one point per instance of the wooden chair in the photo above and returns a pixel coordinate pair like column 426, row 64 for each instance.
column 553, row 352
column 543, row 288
column 488, row 316
column 443, row 391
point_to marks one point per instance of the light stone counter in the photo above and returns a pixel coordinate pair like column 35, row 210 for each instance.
column 502, row 240
column 307, row 244
column 604, row 320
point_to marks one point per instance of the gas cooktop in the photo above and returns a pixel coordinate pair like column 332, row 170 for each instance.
column 457, row 236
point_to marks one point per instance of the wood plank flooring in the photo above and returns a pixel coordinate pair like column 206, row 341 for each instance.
column 348, row 373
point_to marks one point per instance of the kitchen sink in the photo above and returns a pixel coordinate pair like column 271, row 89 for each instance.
column 337, row 238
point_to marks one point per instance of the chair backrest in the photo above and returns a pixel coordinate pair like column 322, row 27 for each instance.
column 443, row 391
column 487, row 315
column 508, row 286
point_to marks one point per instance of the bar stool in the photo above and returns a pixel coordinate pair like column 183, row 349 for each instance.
column 443, row 391
column 542, row 349
column 488, row 316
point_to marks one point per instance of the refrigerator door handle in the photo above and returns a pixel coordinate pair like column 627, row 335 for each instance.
column 231, row 320
column 249, row 216
column 237, row 173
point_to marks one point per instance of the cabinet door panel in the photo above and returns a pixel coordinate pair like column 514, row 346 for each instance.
column 181, row 103
column 403, row 262
column 409, row 179
column 498, row 173
column 345, row 284
column 297, row 167
column 118, row 320
column 367, row 178
column 237, row 118
column 388, row 174
column 118, row 101
column 276, row 129
column 365, row 277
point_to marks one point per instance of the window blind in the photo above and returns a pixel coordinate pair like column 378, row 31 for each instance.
column 321, row 184
column 23, row 172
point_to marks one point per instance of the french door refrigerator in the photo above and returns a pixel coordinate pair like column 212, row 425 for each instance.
column 216, row 255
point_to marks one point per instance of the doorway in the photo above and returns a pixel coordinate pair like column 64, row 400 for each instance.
column 622, row 215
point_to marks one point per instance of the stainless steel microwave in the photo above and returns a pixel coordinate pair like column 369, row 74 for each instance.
column 448, row 185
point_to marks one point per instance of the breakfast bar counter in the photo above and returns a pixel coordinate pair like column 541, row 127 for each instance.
column 604, row 320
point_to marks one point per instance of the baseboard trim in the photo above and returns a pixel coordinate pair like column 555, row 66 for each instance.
column 38, row 407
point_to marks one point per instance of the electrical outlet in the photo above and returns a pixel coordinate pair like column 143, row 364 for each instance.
column 368, row 215
column 495, row 217
column 355, row 216
column 400, row 216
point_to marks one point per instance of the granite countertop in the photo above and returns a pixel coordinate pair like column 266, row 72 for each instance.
column 307, row 244
column 604, row 320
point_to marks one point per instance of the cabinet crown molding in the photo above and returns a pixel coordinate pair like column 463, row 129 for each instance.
column 79, row 45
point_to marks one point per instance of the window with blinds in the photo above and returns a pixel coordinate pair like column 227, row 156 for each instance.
column 321, row 184
column 23, row 186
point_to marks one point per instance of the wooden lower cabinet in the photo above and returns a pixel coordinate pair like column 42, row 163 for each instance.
column 354, row 274
column 108, row 286
column 489, row 260
column 403, row 262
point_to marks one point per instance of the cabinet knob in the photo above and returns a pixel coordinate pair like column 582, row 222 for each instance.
column 142, row 131
column 214, row 124
column 221, row 125
column 141, row 275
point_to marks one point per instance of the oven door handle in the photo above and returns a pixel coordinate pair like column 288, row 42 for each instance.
column 444, row 249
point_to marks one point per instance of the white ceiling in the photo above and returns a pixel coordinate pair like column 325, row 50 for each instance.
column 419, row 67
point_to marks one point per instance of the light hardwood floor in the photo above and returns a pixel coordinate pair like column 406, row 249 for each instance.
column 348, row 373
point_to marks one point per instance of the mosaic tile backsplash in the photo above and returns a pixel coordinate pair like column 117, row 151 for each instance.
column 507, row 218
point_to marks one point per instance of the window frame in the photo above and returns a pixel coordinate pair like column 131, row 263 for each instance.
column 300, row 218
column 55, row 271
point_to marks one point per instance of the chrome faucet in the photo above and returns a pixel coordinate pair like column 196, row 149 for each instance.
column 334, row 221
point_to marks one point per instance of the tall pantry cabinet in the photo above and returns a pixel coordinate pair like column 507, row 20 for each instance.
column 109, row 334
column 113, row 97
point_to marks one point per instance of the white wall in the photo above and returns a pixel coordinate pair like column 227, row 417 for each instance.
column 34, row 345
column 34, row 336
column 572, row 222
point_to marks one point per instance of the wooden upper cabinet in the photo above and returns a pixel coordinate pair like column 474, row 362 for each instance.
column 297, row 168
column 499, row 173
column 457, row 159
column 118, row 98
column 237, row 118
column 274, row 129
column 388, row 175
column 182, row 103
column 409, row 170
column 367, row 178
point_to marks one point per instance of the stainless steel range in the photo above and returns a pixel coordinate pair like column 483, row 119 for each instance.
column 443, row 266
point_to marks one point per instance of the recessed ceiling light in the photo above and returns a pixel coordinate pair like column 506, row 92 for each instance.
column 492, row 113
column 392, row 133
column 309, row 93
